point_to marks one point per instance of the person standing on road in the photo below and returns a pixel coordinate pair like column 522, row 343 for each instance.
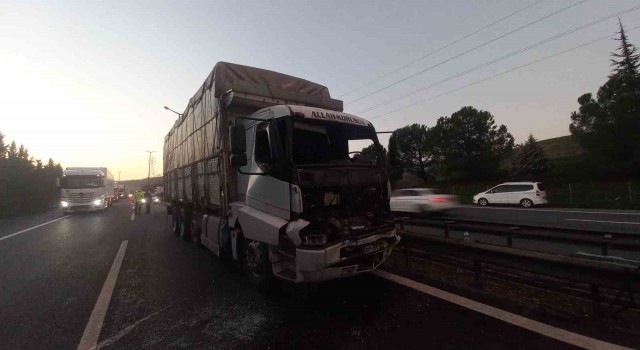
column 149, row 198
column 137, row 198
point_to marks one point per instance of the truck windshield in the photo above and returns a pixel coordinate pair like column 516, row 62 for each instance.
column 328, row 143
column 81, row 182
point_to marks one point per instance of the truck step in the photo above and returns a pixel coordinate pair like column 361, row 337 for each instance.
column 287, row 274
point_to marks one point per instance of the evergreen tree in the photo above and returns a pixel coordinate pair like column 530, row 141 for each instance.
column 3, row 147
column 12, row 152
column 39, row 166
column 530, row 161
column 470, row 145
column 23, row 153
column 414, row 150
column 608, row 126
column 626, row 60
column 374, row 154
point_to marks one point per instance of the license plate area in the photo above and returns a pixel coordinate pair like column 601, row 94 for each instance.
column 374, row 248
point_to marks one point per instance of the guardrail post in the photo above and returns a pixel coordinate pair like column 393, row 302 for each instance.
column 595, row 301
column 510, row 235
column 407, row 255
column 607, row 242
column 477, row 275
column 447, row 230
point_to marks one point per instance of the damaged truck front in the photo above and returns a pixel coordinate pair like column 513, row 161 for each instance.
column 284, row 189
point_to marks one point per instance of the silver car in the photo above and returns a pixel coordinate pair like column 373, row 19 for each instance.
column 421, row 200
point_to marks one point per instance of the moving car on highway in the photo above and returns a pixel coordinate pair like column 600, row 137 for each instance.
column 421, row 200
column 526, row 194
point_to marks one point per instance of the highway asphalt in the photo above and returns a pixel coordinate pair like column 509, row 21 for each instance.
column 624, row 221
column 169, row 294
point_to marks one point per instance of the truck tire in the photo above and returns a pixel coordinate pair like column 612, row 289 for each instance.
column 185, row 226
column 254, row 259
column 196, row 231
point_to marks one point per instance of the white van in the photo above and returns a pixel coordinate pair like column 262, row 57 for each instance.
column 526, row 194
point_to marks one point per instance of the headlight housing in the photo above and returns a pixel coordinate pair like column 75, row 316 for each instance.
column 315, row 240
column 97, row 202
column 64, row 204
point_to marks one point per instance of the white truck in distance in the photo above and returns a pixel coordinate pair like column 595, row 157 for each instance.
column 120, row 192
column 85, row 189
column 259, row 169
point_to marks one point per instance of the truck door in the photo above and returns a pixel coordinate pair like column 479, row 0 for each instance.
column 266, row 192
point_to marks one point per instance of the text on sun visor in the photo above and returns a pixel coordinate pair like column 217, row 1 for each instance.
column 338, row 117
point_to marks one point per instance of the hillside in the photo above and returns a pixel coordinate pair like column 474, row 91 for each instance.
column 133, row 185
column 561, row 147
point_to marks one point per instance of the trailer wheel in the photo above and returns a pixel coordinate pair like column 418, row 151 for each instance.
column 196, row 231
column 254, row 257
column 185, row 226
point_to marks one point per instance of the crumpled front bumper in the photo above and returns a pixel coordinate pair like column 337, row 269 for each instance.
column 344, row 259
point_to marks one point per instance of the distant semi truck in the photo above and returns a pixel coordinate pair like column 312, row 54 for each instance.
column 120, row 192
column 86, row 189
column 264, row 168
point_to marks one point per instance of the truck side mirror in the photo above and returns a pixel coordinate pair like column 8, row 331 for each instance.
column 238, row 160
column 57, row 182
column 238, row 140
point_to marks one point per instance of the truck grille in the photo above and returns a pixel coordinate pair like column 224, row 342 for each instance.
column 81, row 195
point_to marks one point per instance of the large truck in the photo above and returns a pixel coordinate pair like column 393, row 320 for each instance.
column 120, row 192
column 86, row 189
column 259, row 169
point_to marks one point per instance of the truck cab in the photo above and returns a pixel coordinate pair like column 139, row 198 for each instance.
column 305, row 191
column 85, row 189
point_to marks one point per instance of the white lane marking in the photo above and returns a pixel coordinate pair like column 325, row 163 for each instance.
column 549, row 210
column 128, row 329
column 133, row 216
column 30, row 228
column 607, row 222
column 94, row 326
column 516, row 320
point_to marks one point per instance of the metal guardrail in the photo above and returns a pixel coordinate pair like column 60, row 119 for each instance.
column 604, row 240
column 597, row 272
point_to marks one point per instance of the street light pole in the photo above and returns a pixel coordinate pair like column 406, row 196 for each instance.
column 149, row 169
column 169, row 109
column 119, row 175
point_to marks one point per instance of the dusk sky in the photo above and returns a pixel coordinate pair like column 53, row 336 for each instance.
column 85, row 82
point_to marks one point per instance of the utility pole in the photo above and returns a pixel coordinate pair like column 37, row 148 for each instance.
column 119, row 175
column 149, row 169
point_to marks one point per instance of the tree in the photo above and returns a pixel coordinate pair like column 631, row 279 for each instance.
column 396, row 168
column 3, row 147
column 39, row 166
column 530, row 161
column 470, row 144
column 626, row 60
column 12, row 152
column 609, row 125
column 413, row 149
column 23, row 153
column 374, row 153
